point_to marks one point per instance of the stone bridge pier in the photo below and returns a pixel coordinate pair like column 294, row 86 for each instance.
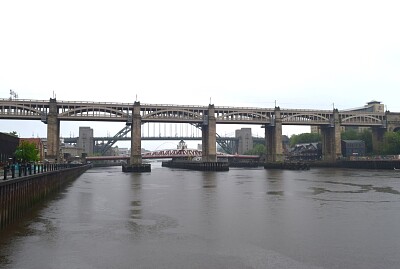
column 331, row 139
column 209, row 134
column 135, row 161
column 53, row 132
column 273, row 138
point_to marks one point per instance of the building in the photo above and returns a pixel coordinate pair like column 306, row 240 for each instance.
column 71, row 152
column 353, row 148
column 8, row 145
column 305, row 151
column 85, row 140
column 245, row 140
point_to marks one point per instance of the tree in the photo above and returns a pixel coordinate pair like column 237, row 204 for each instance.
column 366, row 136
column 258, row 149
column 350, row 135
column 305, row 138
column 27, row 152
column 391, row 143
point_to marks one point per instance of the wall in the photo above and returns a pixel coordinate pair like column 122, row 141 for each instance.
column 18, row 196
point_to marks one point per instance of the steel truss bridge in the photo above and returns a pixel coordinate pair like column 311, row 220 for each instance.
column 20, row 109
column 228, row 144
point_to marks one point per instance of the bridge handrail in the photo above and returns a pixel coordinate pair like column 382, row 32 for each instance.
column 23, row 100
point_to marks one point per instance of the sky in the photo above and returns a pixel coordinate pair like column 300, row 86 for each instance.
column 295, row 54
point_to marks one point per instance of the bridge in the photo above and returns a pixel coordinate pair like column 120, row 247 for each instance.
column 135, row 114
column 228, row 144
column 173, row 153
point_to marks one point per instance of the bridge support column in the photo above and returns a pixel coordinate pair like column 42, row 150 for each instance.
column 273, row 139
column 135, row 161
column 331, row 139
column 53, row 133
column 209, row 140
column 378, row 134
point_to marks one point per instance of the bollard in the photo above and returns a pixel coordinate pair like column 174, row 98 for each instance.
column 13, row 171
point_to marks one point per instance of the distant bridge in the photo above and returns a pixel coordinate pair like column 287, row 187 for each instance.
column 172, row 153
column 228, row 144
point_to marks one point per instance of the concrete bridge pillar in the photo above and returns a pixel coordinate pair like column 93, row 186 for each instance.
column 209, row 133
column 273, row 138
column 53, row 132
column 331, row 139
column 136, row 139
column 135, row 160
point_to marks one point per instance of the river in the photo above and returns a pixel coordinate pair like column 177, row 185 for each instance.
column 244, row 218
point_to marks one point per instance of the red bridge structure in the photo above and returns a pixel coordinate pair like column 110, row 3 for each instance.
column 174, row 153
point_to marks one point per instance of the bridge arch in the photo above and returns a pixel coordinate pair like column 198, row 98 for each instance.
column 366, row 119
column 26, row 111
column 175, row 113
column 104, row 111
column 305, row 117
column 243, row 116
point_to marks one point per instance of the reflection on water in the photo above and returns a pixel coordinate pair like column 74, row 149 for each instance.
column 172, row 218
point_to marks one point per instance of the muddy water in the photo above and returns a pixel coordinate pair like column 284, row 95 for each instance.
column 173, row 218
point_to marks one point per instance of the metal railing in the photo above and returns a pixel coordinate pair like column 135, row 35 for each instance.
column 21, row 170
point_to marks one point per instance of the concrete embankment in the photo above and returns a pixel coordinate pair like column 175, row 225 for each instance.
column 17, row 196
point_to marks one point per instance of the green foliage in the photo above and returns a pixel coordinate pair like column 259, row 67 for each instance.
column 350, row 135
column 27, row 152
column 365, row 136
column 391, row 144
column 258, row 149
column 305, row 138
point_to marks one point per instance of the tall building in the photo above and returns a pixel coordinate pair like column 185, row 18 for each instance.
column 245, row 140
column 85, row 140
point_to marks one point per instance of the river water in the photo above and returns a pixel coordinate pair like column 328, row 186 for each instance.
column 173, row 218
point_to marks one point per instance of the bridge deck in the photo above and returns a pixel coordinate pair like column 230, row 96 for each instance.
column 121, row 112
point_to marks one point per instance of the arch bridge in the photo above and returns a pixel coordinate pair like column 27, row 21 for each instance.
column 135, row 114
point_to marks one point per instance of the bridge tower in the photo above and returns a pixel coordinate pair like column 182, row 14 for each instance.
column 135, row 161
column 53, row 132
column 209, row 132
column 331, row 139
column 273, row 138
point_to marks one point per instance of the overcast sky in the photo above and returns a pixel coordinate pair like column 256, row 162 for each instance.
column 299, row 54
